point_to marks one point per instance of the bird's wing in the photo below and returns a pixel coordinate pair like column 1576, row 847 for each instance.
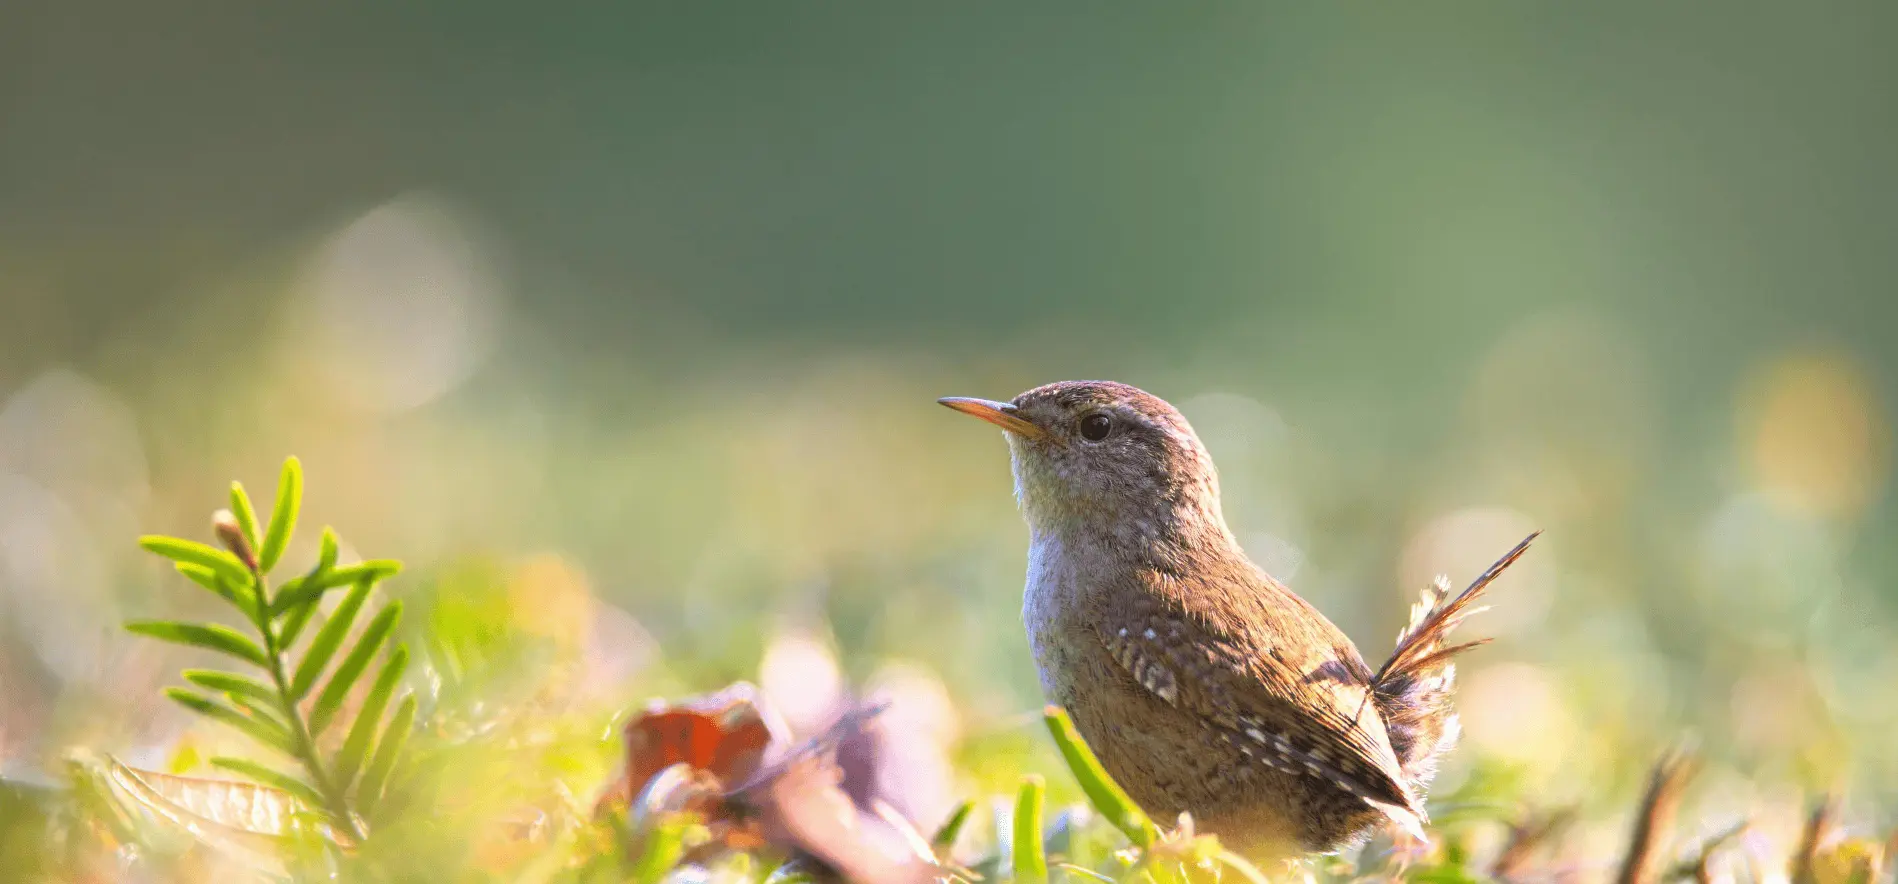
column 1297, row 708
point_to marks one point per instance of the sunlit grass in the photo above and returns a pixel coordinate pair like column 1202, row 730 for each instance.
column 490, row 761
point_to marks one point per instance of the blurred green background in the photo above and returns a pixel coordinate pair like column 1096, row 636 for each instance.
column 655, row 299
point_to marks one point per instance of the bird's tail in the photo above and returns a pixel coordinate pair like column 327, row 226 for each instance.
column 1412, row 690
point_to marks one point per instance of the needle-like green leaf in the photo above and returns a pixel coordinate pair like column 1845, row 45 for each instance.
column 283, row 517
column 326, row 550
column 210, row 636
column 295, row 602
column 376, row 777
column 264, row 732
column 1031, row 862
column 246, row 516
column 233, row 684
column 352, row 667
column 293, row 624
column 263, row 712
column 210, row 580
column 302, row 590
column 327, row 640
column 274, row 779
column 291, row 589
column 179, row 550
column 356, row 745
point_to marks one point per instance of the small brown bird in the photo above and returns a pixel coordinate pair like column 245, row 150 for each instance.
column 1203, row 684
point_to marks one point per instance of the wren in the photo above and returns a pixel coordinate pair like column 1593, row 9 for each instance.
column 1205, row 685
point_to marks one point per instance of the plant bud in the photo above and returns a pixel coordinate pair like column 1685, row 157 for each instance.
column 229, row 533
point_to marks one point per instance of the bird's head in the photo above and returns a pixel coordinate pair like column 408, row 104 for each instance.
column 1104, row 457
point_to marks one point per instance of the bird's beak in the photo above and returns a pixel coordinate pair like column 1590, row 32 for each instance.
column 1000, row 414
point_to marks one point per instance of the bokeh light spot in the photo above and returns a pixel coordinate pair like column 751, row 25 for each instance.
column 1461, row 544
column 1516, row 712
column 1816, row 438
column 401, row 305
column 800, row 675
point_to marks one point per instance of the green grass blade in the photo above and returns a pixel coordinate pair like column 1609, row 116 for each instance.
column 274, row 779
column 233, row 684
column 1071, row 837
column 793, row 872
column 210, row 636
column 1105, row 794
column 443, row 658
column 376, row 777
column 1031, row 862
column 262, row 731
column 327, row 640
column 246, row 516
column 951, row 829
column 352, row 667
column 203, row 555
column 283, row 517
column 356, row 745
column 665, row 848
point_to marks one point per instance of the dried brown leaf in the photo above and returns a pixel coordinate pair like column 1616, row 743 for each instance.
column 805, row 806
column 1531, row 835
column 1818, row 826
column 1658, row 807
column 250, row 823
column 1699, row 866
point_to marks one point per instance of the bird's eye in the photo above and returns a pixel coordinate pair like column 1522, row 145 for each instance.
column 1095, row 427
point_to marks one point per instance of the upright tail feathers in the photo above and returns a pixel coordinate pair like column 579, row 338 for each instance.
column 1412, row 690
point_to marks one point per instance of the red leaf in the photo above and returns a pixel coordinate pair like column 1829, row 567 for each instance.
column 724, row 735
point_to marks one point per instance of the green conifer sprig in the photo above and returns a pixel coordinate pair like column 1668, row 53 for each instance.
column 282, row 695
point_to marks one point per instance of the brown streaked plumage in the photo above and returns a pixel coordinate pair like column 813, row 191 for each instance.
column 1205, row 685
